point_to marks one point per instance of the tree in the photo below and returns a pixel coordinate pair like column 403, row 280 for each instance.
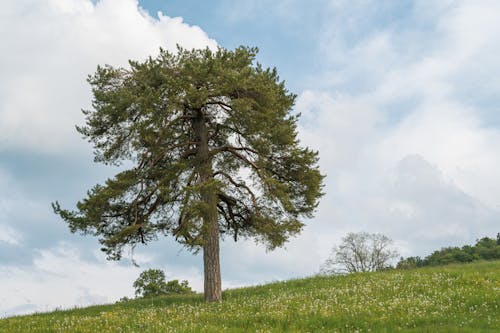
column 151, row 282
column 174, row 287
column 360, row 252
column 213, row 149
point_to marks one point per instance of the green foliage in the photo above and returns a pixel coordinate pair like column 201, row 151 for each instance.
column 174, row 287
column 124, row 299
column 453, row 298
column 151, row 282
column 484, row 249
column 192, row 123
column 410, row 262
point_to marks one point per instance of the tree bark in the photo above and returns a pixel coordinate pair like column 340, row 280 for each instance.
column 211, row 262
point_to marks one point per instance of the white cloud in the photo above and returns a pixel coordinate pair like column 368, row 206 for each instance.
column 50, row 48
column 246, row 262
column 9, row 236
column 60, row 278
column 382, row 110
column 454, row 140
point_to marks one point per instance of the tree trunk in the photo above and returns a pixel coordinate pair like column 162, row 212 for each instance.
column 211, row 263
column 212, row 285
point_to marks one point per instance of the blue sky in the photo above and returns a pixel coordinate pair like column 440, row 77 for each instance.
column 399, row 97
column 259, row 24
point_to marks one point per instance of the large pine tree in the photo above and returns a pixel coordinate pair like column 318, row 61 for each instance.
column 213, row 144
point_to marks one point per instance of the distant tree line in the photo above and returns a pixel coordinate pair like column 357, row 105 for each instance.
column 485, row 249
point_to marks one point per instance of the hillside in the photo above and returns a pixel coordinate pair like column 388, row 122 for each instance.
column 455, row 298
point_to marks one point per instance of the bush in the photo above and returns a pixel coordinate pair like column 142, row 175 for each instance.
column 151, row 282
column 174, row 287
column 410, row 262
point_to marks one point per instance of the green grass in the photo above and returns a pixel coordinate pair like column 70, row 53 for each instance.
column 455, row 298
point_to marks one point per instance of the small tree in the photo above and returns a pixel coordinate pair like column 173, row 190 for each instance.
column 360, row 252
column 174, row 287
column 151, row 282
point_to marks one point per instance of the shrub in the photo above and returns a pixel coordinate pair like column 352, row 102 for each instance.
column 151, row 282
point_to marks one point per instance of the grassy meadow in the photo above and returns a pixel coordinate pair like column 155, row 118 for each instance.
column 454, row 298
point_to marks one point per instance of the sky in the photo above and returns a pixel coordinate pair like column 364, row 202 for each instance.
column 400, row 98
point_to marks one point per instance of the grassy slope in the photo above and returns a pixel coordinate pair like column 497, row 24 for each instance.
column 455, row 298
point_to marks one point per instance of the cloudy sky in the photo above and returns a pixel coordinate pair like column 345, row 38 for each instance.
column 401, row 98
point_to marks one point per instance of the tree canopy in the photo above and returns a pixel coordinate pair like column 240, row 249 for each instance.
column 210, row 142
column 360, row 252
column 151, row 282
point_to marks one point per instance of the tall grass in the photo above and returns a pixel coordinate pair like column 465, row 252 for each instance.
column 456, row 298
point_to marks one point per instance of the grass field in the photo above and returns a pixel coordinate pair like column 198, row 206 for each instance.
column 455, row 298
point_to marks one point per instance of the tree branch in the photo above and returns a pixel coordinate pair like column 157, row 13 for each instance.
column 229, row 148
column 239, row 185
column 234, row 152
column 223, row 105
